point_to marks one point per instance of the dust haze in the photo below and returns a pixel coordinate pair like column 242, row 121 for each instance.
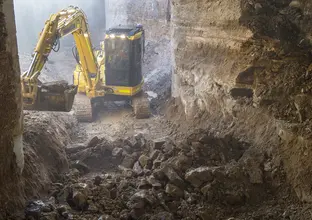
column 31, row 15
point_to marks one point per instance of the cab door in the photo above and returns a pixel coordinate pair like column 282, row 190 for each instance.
column 138, row 61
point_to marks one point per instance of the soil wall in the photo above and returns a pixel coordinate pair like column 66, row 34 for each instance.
column 11, row 150
column 244, row 67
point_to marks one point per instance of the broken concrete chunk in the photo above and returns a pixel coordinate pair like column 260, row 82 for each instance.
column 127, row 149
column 128, row 161
column 174, row 191
column 139, row 200
column 158, row 143
column 154, row 154
column 168, row 147
column 144, row 160
column 137, row 168
column 144, row 184
column 156, row 164
column 155, row 184
column 199, row 176
column 134, row 143
column 159, row 174
column 173, row 177
column 182, row 162
column 117, row 152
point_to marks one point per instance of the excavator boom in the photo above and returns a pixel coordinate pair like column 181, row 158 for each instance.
column 59, row 96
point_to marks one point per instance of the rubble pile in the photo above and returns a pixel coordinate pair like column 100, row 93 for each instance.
column 203, row 177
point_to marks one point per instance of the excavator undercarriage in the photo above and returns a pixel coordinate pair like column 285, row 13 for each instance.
column 86, row 109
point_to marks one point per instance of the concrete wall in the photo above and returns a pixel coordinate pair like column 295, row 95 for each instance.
column 11, row 147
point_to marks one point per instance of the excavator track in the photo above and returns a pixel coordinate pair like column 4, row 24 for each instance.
column 83, row 108
column 141, row 106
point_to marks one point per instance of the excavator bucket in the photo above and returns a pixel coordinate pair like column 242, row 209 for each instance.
column 54, row 96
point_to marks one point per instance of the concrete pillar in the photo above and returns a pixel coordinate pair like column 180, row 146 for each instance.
column 11, row 119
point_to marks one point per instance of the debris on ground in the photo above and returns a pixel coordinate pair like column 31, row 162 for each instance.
column 202, row 177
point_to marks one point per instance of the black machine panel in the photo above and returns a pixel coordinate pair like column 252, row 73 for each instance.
column 123, row 57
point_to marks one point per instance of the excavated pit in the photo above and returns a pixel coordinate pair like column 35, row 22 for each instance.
column 256, row 81
column 201, row 177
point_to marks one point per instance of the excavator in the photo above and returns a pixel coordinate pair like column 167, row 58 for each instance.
column 112, row 73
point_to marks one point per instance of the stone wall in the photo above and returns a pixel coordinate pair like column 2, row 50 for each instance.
column 11, row 147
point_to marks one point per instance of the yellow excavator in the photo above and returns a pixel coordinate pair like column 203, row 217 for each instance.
column 112, row 73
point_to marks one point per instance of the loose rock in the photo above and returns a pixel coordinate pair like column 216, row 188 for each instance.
column 173, row 177
column 158, row 143
column 199, row 176
column 144, row 160
column 137, row 168
column 174, row 191
column 117, row 152
column 128, row 161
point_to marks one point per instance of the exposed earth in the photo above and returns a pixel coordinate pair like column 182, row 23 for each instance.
column 233, row 145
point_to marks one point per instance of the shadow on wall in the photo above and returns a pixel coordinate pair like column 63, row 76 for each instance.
column 31, row 15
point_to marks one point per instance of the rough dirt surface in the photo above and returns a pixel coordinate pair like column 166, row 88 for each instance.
column 46, row 133
column 201, row 177
column 45, row 136
column 256, row 81
column 247, row 163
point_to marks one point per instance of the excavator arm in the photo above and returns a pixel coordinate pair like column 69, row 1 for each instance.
column 59, row 96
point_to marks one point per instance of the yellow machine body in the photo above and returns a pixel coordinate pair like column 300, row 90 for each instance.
column 113, row 73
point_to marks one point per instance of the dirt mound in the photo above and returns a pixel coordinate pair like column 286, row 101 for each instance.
column 45, row 137
column 202, row 177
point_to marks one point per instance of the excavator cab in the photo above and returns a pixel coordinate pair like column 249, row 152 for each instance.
column 124, row 49
column 120, row 62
